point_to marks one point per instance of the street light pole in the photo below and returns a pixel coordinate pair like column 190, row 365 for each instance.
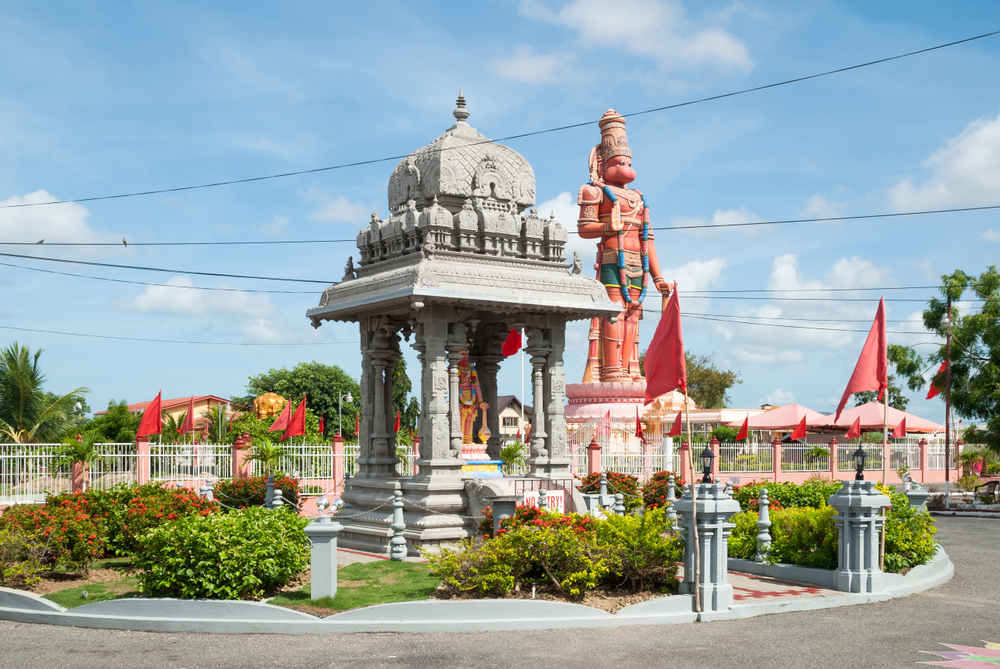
column 947, row 410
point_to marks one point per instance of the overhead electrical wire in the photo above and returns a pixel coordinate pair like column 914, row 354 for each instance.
column 534, row 133
column 171, row 341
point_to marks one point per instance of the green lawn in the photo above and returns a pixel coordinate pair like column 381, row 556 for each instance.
column 366, row 584
column 96, row 592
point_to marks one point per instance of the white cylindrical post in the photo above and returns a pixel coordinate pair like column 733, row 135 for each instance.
column 323, row 534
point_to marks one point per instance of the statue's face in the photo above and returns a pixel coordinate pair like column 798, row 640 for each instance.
column 618, row 171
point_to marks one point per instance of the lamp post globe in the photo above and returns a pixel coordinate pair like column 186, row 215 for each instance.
column 340, row 403
column 859, row 456
column 706, row 464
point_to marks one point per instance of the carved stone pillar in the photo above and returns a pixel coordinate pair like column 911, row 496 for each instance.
column 383, row 349
column 487, row 368
column 456, row 344
column 435, row 429
column 538, row 349
column 555, row 397
column 365, row 435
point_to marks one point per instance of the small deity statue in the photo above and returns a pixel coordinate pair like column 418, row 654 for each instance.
column 349, row 269
column 577, row 263
column 470, row 396
column 619, row 218
column 268, row 404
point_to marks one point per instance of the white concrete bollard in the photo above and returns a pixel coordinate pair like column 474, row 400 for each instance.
column 323, row 533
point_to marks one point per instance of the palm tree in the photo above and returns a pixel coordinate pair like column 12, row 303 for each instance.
column 268, row 455
column 81, row 450
column 27, row 414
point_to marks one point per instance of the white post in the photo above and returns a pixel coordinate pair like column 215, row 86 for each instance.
column 323, row 534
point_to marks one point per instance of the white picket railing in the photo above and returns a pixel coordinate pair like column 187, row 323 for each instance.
column 752, row 458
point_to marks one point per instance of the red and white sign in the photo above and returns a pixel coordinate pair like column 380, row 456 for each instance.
column 555, row 500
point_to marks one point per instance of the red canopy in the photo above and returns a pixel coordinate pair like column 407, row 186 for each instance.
column 787, row 418
column 871, row 416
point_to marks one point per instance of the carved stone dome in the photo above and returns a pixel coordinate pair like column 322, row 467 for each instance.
column 459, row 165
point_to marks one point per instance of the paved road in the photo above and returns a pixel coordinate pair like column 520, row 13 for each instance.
column 964, row 611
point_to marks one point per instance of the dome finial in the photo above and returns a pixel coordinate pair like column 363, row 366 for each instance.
column 460, row 112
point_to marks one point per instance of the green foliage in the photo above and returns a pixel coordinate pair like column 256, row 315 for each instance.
column 368, row 584
column 156, row 505
column 814, row 493
column 804, row 536
column 259, row 428
column 975, row 352
column 743, row 540
column 238, row 555
column 28, row 413
column 321, row 384
column 243, row 493
column 908, row 364
column 968, row 482
column 72, row 534
column 514, row 455
column 725, row 434
column 708, row 385
column 977, row 459
column 117, row 425
column 96, row 592
column 566, row 556
column 654, row 491
column 816, row 452
column 21, row 558
column 909, row 534
column 82, row 452
column 268, row 455
column 531, row 515
column 626, row 484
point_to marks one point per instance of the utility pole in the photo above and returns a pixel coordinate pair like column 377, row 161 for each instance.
column 947, row 410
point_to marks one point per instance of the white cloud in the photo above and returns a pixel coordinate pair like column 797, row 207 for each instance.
column 963, row 173
column 175, row 300
column 275, row 226
column 336, row 209
column 926, row 267
column 657, row 29
column 820, row 206
column 695, row 275
column 720, row 217
column 53, row 223
column 528, row 67
column 992, row 235
column 778, row 397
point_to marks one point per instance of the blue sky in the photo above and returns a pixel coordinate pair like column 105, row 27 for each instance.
column 103, row 98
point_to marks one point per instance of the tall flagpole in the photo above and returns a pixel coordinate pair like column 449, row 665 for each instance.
column 524, row 435
column 694, row 509
column 885, row 437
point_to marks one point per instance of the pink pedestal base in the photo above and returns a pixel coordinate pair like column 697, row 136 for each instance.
column 473, row 452
column 591, row 401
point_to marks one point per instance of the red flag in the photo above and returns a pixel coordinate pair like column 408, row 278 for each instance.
column 675, row 431
column 933, row 390
column 745, row 430
column 188, row 424
column 282, row 421
column 321, row 426
column 872, row 370
column 638, row 425
column 855, row 430
column 396, row 428
column 900, row 430
column 357, row 423
column 664, row 365
column 297, row 423
column 151, row 421
column 512, row 344
column 800, row 430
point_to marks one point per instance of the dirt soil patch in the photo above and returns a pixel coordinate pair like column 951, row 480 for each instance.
column 56, row 581
column 605, row 599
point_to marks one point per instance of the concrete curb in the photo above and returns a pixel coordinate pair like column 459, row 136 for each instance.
column 229, row 617
column 967, row 514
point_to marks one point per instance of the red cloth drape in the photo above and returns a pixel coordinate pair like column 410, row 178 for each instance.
column 900, row 430
column 800, row 430
column 297, row 423
column 745, row 430
column 321, row 426
column 512, row 344
column 933, row 391
column 282, row 421
column 872, row 370
column 151, row 421
column 855, row 431
column 664, row 365
column 675, row 431
column 188, row 424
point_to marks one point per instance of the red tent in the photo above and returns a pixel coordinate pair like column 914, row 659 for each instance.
column 785, row 418
column 871, row 416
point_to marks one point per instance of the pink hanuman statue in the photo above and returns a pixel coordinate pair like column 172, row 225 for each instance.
column 626, row 257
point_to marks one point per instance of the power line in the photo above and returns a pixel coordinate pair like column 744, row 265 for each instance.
column 169, row 341
column 163, row 285
column 509, row 137
column 793, row 327
column 169, row 271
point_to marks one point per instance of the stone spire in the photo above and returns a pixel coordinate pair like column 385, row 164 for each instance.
column 460, row 112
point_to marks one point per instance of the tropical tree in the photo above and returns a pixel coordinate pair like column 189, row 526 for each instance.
column 79, row 450
column 268, row 455
column 116, row 425
column 28, row 413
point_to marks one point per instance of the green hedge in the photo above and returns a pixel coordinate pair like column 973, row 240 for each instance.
column 814, row 493
column 237, row 555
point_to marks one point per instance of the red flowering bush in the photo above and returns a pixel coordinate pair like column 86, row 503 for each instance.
column 532, row 516
column 654, row 491
column 73, row 537
column 626, row 484
column 159, row 505
column 241, row 493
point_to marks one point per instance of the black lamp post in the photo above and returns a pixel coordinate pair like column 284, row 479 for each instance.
column 859, row 456
column 706, row 464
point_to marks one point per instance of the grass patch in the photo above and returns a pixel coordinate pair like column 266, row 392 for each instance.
column 96, row 592
column 366, row 584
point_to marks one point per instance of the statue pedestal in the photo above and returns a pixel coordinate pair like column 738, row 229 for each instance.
column 592, row 401
column 483, row 469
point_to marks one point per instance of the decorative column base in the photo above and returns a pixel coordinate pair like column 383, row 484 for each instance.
column 859, row 506
column 715, row 507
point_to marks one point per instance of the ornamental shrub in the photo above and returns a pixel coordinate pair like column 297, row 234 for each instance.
column 626, row 484
column 743, row 540
column 804, row 536
column 532, row 515
column 814, row 493
column 561, row 553
column 239, row 555
column 155, row 505
column 21, row 557
column 654, row 491
column 243, row 493
column 73, row 538
column 909, row 534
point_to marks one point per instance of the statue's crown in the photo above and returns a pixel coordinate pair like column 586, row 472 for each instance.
column 613, row 139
